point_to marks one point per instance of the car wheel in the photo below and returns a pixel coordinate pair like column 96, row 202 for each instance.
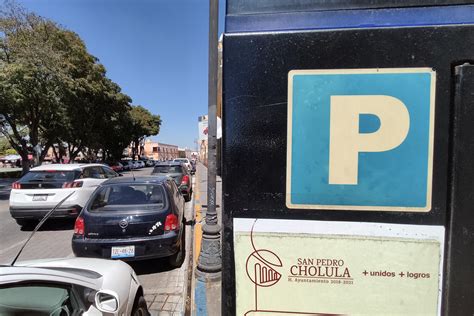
column 177, row 259
column 140, row 308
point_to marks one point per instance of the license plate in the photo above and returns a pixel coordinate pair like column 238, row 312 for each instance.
column 40, row 197
column 123, row 252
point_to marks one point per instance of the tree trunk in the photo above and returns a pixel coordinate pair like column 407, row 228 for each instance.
column 55, row 153
column 25, row 163
column 44, row 151
column 73, row 153
column 136, row 143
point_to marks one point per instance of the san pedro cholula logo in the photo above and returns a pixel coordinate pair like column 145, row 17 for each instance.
column 320, row 270
column 261, row 266
column 264, row 268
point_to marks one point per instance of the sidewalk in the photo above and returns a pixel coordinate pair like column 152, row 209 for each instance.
column 168, row 296
column 205, row 296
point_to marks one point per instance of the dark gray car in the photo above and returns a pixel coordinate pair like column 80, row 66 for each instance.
column 180, row 174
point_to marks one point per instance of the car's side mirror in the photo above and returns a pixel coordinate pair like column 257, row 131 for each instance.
column 120, row 175
column 107, row 301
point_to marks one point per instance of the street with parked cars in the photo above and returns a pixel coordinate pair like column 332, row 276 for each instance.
column 111, row 235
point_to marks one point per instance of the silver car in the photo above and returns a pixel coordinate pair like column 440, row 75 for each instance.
column 77, row 286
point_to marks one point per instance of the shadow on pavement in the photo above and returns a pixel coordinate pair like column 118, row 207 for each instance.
column 51, row 225
column 150, row 266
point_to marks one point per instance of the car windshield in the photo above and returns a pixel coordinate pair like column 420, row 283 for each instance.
column 50, row 176
column 32, row 299
column 113, row 197
column 167, row 169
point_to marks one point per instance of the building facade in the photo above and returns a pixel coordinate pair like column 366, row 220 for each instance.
column 159, row 151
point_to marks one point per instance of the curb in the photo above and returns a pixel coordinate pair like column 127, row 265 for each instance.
column 198, row 288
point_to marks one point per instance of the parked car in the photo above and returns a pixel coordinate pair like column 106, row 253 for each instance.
column 126, row 165
column 116, row 166
column 185, row 161
column 193, row 166
column 43, row 187
column 149, row 163
column 179, row 173
column 132, row 219
column 139, row 163
column 76, row 286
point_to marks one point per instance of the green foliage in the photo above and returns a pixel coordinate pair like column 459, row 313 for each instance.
column 144, row 124
column 10, row 151
column 55, row 92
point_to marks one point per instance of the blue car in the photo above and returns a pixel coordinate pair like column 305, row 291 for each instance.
column 133, row 219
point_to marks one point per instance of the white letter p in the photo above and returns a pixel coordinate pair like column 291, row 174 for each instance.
column 345, row 140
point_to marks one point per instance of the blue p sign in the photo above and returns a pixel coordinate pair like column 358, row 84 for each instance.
column 360, row 139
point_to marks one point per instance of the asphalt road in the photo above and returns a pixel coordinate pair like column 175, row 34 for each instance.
column 53, row 240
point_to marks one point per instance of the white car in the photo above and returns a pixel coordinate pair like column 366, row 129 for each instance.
column 184, row 161
column 77, row 286
column 43, row 187
column 130, row 163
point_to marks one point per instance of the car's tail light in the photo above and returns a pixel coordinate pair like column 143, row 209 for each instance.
column 171, row 223
column 16, row 185
column 185, row 180
column 73, row 184
column 79, row 226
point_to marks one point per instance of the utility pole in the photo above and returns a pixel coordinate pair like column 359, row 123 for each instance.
column 210, row 261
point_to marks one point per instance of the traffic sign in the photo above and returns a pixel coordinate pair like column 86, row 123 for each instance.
column 360, row 139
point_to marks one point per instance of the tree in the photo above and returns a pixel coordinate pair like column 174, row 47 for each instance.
column 54, row 94
column 33, row 72
column 144, row 124
column 5, row 147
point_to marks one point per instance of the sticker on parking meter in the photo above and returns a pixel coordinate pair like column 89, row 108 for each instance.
column 360, row 139
column 337, row 268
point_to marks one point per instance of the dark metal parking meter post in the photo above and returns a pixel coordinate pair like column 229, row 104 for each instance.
column 347, row 149
column 210, row 255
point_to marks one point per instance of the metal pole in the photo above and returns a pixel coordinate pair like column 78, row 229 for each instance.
column 210, row 256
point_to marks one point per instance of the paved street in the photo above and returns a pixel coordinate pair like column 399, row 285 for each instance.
column 165, row 288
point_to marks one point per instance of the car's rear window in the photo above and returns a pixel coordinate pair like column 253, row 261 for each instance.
column 50, row 176
column 167, row 169
column 116, row 196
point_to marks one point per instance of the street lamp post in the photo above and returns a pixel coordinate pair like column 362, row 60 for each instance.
column 210, row 261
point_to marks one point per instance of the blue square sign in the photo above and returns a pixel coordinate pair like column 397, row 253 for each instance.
column 360, row 139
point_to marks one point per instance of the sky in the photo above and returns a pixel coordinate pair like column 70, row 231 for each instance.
column 156, row 50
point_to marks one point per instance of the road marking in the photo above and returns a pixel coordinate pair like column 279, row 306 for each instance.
column 198, row 225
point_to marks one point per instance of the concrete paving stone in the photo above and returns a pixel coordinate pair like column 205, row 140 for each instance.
column 173, row 298
column 169, row 306
column 178, row 314
column 164, row 313
column 150, row 298
column 156, row 306
column 161, row 298
column 179, row 308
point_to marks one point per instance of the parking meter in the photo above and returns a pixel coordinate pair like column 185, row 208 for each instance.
column 347, row 158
